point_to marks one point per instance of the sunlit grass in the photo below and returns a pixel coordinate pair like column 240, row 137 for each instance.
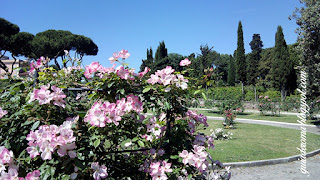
column 258, row 142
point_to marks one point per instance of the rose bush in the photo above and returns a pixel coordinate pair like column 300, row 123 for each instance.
column 265, row 104
column 91, row 123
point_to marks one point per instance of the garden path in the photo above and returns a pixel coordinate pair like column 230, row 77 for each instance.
column 284, row 171
column 310, row 128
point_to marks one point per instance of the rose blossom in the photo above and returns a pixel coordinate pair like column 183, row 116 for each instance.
column 185, row 62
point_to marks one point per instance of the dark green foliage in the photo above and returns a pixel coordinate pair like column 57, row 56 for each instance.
column 174, row 61
column 161, row 52
column 220, row 61
column 265, row 63
column 148, row 62
column 204, row 60
column 295, row 60
column 240, row 56
column 253, row 59
column 161, row 57
column 307, row 18
column 194, row 65
column 84, row 46
column 281, row 64
column 21, row 44
column 231, row 72
column 52, row 43
column 7, row 29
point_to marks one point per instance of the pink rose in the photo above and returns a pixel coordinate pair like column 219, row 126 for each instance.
column 185, row 62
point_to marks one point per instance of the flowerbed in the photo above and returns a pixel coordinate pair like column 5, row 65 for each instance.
column 50, row 133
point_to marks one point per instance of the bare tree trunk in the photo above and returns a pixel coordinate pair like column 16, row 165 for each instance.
column 283, row 93
column 15, row 60
column 57, row 64
column 255, row 94
column 2, row 65
column 242, row 90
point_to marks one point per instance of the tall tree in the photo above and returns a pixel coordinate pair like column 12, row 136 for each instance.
column 281, row 65
column 194, row 65
column 254, row 59
column 7, row 30
column 231, row 72
column 221, row 62
column 52, row 43
column 20, row 45
column 160, row 58
column 204, row 60
column 307, row 18
column 148, row 62
column 240, row 56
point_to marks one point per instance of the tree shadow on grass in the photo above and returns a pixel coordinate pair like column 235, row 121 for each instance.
column 315, row 122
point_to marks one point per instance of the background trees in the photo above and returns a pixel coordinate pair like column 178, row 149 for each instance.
column 254, row 59
column 49, row 43
column 231, row 72
column 240, row 56
column 52, row 43
column 307, row 17
column 13, row 41
column 281, row 65
column 148, row 62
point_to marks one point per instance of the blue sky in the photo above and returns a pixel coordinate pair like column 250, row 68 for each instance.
column 136, row 25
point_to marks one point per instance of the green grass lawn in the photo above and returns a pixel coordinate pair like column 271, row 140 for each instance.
column 257, row 116
column 258, row 142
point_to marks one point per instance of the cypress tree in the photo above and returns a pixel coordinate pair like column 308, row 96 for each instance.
column 254, row 59
column 240, row 56
column 161, row 52
column 281, row 65
column 161, row 57
column 148, row 62
column 231, row 72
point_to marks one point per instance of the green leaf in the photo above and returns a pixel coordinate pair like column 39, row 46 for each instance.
column 204, row 96
column 110, row 84
column 141, row 144
column 52, row 170
column 121, row 91
column 63, row 87
column 35, row 125
column 135, row 139
column 26, row 123
column 174, row 157
column 146, row 89
column 196, row 92
column 96, row 143
column 167, row 105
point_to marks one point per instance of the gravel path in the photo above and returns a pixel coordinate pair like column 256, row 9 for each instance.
column 310, row 128
column 279, row 171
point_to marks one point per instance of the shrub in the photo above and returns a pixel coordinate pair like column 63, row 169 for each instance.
column 229, row 119
column 267, row 104
column 272, row 94
column 52, row 133
column 291, row 103
column 249, row 96
column 220, row 134
column 225, row 93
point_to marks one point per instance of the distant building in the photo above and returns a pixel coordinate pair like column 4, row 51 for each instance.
column 19, row 63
